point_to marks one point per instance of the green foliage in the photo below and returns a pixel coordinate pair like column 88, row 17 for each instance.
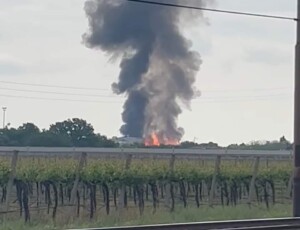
column 77, row 130
column 233, row 179
column 140, row 172
column 4, row 173
column 48, row 139
column 282, row 144
column 68, row 133
column 209, row 145
column 264, row 145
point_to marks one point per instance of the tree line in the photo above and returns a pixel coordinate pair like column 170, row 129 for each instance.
column 281, row 144
column 77, row 132
column 69, row 133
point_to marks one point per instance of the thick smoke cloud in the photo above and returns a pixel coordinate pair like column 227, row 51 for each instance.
column 157, row 67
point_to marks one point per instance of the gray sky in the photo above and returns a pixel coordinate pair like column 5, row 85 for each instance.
column 246, row 78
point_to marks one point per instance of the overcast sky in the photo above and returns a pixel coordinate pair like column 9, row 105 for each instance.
column 246, row 78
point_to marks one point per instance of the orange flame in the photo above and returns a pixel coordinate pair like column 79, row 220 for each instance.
column 154, row 140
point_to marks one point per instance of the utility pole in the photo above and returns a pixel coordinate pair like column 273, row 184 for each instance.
column 296, row 187
column 4, row 110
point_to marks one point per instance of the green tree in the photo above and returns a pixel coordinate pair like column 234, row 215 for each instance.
column 48, row 139
column 188, row 144
column 79, row 131
column 9, row 137
column 103, row 141
column 71, row 132
column 282, row 144
column 29, row 128
column 25, row 132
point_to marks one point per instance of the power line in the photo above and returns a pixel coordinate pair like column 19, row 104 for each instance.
column 247, row 97
column 109, row 90
column 59, row 93
column 246, row 90
column 243, row 100
column 203, row 100
column 57, row 99
column 114, row 96
column 214, row 10
column 52, row 86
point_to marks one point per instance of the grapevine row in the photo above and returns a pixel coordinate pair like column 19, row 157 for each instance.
column 49, row 184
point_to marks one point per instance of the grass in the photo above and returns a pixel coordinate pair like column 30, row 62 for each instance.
column 132, row 217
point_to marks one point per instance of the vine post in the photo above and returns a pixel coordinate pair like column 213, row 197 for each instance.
column 10, row 182
column 214, row 180
column 290, row 186
column 169, row 183
column 121, row 206
column 253, row 179
column 290, row 183
column 81, row 163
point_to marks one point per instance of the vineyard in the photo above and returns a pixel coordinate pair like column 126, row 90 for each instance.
column 89, row 187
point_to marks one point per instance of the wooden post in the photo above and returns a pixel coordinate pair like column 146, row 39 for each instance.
column 214, row 180
column 123, row 187
column 168, row 185
column 290, row 186
column 12, row 175
column 79, row 168
column 290, row 183
column 252, row 183
column 172, row 163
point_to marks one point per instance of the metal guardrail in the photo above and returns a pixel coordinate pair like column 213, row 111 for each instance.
column 144, row 152
column 278, row 223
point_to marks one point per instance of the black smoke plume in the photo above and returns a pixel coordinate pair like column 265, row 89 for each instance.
column 157, row 66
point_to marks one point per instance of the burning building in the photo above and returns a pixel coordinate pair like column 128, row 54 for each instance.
column 157, row 67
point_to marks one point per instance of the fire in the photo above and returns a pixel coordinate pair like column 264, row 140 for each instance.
column 155, row 140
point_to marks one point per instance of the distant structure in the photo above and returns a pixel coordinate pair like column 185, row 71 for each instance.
column 128, row 140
